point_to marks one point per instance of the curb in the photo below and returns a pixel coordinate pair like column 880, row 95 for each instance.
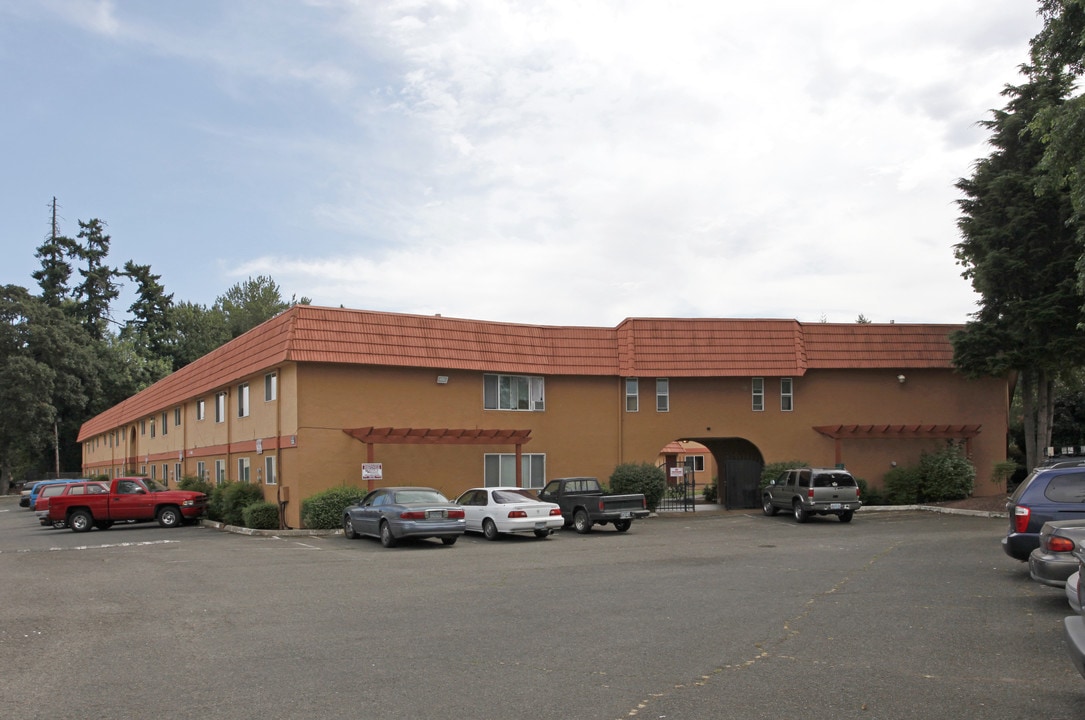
column 237, row 530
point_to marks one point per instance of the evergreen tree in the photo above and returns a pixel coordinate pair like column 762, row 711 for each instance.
column 1019, row 250
column 98, row 288
column 150, row 326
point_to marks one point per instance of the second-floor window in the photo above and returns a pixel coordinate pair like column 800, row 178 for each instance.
column 271, row 386
column 632, row 395
column 201, row 409
column 165, row 425
column 757, row 389
column 243, row 400
column 787, row 395
column 663, row 395
column 220, row 407
column 513, row 392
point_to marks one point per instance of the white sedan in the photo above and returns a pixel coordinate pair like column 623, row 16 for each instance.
column 495, row 510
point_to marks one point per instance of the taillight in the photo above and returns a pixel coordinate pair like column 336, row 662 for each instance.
column 644, row 503
column 601, row 503
column 810, row 493
column 1059, row 544
column 1020, row 518
column 455, row 514
column 413, row 515
column 517, row 513
column 555, row 511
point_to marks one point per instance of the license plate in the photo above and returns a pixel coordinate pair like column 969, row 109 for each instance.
column 540, row 526
column 626, row 515
column 835, row 506
column 435, row 514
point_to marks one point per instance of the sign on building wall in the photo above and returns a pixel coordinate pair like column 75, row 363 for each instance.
column 372, row 471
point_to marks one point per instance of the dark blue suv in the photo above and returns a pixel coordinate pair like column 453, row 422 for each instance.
column 1048, row 493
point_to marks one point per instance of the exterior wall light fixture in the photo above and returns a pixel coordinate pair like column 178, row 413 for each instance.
column 442, row 379
column 901, row 379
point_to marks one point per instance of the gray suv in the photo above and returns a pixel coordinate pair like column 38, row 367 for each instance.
column 812, row 491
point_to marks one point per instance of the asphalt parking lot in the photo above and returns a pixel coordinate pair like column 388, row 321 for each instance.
column 731, row 615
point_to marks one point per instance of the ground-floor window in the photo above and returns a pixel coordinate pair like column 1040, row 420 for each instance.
column 500, row 469
column 220, row 471
column 269, row 470
column 243, row 469
column 177, row 472
column 201, row 470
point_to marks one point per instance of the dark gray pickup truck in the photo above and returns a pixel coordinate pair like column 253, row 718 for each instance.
column 583, row 504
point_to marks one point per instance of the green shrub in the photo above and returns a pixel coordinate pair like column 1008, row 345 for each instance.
column 215, row 502
column 946, row 475
column 261, row 516
column 640, row 478
column 1003, row 472
column 324, row 511
column 869, row 496
column 195, row 484
column 772, row 470
column 711, row 494
column 901, row 486
column 236, row 497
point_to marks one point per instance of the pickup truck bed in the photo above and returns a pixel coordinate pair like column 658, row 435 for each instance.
column 583, row 504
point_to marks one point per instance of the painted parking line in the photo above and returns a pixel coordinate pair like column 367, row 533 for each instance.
column 93, row 547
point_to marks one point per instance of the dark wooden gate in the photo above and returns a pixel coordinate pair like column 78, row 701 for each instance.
column 740, row 479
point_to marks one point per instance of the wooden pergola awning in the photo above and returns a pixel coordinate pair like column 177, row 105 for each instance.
column 839, row 433
column 373, row 436
column 899, row 432
column 437, row 436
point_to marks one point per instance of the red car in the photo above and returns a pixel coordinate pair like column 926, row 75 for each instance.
column 41, row 505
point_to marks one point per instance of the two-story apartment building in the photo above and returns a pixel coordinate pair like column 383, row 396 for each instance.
column 304, row 401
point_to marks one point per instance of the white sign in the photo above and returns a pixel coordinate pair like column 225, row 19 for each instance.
column 372, row 471
column 678, row 471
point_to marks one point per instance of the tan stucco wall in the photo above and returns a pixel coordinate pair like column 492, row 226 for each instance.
column 583, row 431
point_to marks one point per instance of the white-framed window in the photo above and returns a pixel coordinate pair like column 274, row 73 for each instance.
column 271, row 386
column 177, row 417
column 270, row 478
column 513, row 392
column 757, row 390
column 220, row 407
column 165, row 473
column 787, row 395
column 632, row 395
column 152, row 427
column 154, row 472
column 220, row 471
column 142, row 427
column 201, row 470
column 696, row 462
column 243, row 469
column 663, row 395
column 500, row 469
column 243, row 400
column 165, row 425
column 177, row 472
column 143, row 471
column 201, row 409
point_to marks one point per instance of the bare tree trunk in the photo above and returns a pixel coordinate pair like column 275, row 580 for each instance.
column 1038, row 405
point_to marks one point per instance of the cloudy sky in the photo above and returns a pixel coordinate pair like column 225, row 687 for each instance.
column 573, row 162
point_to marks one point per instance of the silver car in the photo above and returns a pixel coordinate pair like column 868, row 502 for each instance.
column 395, row 513
column 1053, row 562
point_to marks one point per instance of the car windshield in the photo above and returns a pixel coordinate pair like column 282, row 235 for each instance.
column 419, row 496
column 834, row 480
column 513, row 496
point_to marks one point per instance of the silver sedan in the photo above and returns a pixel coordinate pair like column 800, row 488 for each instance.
column 395, row 513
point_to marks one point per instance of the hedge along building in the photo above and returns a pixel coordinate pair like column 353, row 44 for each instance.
column 301, row 402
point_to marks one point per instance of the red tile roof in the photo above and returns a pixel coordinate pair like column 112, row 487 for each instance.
column 638, row 347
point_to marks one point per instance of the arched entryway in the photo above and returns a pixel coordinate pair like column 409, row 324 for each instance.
column 739, row 464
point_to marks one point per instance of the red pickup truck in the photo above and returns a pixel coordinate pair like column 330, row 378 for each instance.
column 130, row 499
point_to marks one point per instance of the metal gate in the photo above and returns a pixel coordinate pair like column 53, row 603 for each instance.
column 681, row 495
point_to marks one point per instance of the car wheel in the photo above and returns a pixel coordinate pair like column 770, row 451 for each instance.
column 450, row 540
column 847, row 516
column 542, row 533
column 622, row 525
column 489, row 529
column 582, row 522
column 80, row 521
column 59, row 524
column 387, row 538
column 800, row 512
column 767, row 507
column 348, row 528
column 169, row 517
